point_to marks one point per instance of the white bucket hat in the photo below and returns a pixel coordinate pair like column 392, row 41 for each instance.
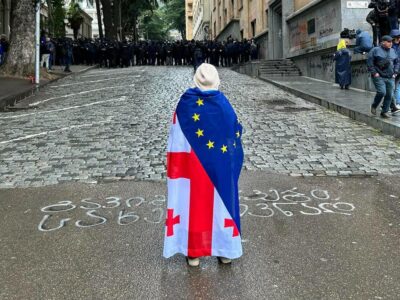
column 206, row 77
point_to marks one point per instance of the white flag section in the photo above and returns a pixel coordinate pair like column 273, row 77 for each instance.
column 178, row 199
column 226, row 240
column 178, row 204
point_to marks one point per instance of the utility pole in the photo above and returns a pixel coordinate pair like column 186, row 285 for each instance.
column 37, row 43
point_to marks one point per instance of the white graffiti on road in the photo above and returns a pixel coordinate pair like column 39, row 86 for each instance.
column 291, row 202
column 95, row 212
column 258, row 204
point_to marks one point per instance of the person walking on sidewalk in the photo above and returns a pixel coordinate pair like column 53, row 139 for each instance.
column 395, row 34
column 383, row 65
column 342, row 66
column 204, row 161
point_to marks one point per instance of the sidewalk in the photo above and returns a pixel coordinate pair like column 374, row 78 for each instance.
column 13, row 90
column 353, row 103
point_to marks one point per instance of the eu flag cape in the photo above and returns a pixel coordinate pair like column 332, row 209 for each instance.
column 204, row 161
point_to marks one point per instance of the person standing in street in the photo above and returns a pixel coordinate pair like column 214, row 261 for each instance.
column 383, row 65
column 342, row 66
column 204, row 161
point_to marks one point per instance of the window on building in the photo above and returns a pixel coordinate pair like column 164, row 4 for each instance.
column 241, row 34
column 311, row 26
column 232, row 9
column 266, row 19
column 219, row 24
column 215, row 29
column 240, row 4
column 253, row 28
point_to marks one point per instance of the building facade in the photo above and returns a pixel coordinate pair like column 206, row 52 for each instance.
column 240, row 19
column 189, row 19
column 201, row 19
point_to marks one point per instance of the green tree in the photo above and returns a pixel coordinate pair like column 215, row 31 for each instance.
column 75, row 18
column 153, row 26
column 21, row 54
column 56, row 17
column 174, row 16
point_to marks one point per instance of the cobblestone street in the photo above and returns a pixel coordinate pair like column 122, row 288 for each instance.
column 108, row 125
column 313, row 226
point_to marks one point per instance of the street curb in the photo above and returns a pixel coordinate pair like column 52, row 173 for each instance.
column 14, row 99
column 386, row 126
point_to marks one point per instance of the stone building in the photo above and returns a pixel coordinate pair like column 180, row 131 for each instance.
column 306, row 31
column 5, row 6
column 240, row 19
column 189, row 19
column 201, row 19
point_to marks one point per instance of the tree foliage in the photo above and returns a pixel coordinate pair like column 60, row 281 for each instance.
column 174, row 15
column 56, row 18
column 75, row 18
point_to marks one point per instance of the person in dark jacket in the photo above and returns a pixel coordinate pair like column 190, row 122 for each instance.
column 198, row 55
column 383, row 65
column 363, row 42
column 343, row 67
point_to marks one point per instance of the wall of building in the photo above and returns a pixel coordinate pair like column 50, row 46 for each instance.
column 189, row 19
column 201, row 19
column 314, row 29
column 249, row 14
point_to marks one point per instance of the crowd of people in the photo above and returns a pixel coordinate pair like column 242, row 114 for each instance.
column 113, row 54
column 383, row 60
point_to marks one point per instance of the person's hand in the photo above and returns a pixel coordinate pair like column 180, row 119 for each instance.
column 394, row 75
column 376, row 75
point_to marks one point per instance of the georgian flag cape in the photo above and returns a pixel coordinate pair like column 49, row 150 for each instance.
column 204, row 161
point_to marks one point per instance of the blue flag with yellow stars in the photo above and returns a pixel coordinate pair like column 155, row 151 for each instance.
column 211, row 127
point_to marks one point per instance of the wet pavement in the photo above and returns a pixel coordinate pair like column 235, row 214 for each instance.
column 82, row 196
column 303, row 238
column 353, row 103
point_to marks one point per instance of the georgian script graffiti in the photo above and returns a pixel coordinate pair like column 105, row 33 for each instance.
column 89, row 212
column 291, row 202
column 124, row 212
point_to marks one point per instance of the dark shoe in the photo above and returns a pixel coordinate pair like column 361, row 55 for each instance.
column 385, row 115
column 224, row 260
column 395, row 110
column 346, row 87
column 373, row 110
column 341, row 87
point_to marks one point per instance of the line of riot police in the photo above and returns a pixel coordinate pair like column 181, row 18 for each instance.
column 115, row 54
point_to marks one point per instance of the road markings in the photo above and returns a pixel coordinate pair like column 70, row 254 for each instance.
column 123, row 98
column 80, row 93
column 111, row 73
column 44, row 133
column 83, row 82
